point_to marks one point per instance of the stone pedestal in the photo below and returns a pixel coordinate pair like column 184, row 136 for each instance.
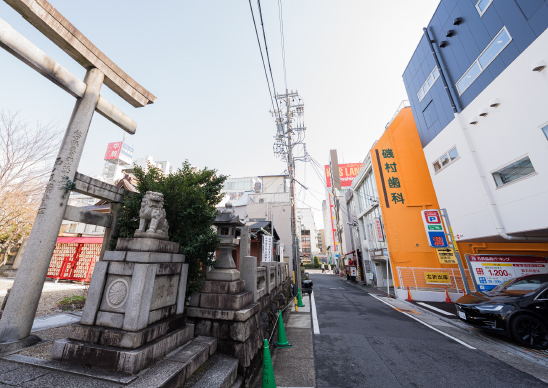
column 133, row 313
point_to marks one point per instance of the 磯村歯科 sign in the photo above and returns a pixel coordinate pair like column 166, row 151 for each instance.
column 437, row 278
column 491, row 270
column 434, row 228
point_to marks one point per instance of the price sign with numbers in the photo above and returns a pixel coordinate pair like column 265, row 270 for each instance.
column 434, row 228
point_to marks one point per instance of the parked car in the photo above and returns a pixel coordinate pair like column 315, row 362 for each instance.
column 517, row 308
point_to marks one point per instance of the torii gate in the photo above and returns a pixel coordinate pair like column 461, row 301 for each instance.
column 20, row 310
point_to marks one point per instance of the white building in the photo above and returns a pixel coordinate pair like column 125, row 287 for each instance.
column 485, row 138
column 305, row 219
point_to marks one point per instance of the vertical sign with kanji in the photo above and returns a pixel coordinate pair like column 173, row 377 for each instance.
column 434, row 228
column 267, row 248
column 391, row 167
column 380, row 235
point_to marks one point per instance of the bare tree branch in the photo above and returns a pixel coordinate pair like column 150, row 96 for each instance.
column 26, row 159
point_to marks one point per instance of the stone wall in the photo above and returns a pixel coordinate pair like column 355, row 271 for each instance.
column 241, row 333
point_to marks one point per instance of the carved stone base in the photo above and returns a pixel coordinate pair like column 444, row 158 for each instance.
column 157, row 236
column 129, row 361
column 105, row 336
column 227, row 275
column 147, row 245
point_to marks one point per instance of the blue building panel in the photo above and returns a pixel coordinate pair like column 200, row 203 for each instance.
column 525, row 20
column 496, row 67
column 538, row 21
column 529, row 7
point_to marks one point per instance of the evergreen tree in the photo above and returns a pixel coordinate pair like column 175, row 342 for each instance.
column 190, row 198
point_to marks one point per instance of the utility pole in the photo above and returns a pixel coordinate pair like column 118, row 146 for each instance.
column 286, row 139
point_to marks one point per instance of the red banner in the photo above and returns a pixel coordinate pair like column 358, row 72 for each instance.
column 347, row 173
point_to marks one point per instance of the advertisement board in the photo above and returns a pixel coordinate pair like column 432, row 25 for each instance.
column 126, row 154
column 490, row 271
column 267, row 248
column 347, row 173
column 434, row 228
column 119, row 152
column 113, row 150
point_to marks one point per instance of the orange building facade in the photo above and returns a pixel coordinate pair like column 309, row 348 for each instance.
column 405, row 189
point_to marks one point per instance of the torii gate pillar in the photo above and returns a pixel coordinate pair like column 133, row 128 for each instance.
column 18, row 316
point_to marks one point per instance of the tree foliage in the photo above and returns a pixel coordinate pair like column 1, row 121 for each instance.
column 190, row 198
column 316, row 261
column 26, row 156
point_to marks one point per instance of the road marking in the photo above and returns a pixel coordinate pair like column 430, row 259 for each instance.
column 315, row 325
column 410, row 311
column 427, row 325
column 435, row 308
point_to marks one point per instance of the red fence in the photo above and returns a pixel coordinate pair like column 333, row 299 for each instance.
column 74, row 258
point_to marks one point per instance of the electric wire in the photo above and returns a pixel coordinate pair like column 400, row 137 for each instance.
column 282, row 39
column 267, row 55
column 262, row 59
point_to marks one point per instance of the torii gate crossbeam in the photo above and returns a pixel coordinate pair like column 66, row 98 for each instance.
column 21, row 306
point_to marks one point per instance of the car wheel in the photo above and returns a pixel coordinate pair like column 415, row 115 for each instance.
column 530, row 331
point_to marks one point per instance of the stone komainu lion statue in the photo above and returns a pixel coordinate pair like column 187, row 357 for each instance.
column 153, row 215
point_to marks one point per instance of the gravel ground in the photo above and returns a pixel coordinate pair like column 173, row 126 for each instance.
column 43, row 349
column 49, row 297
column 51, row 294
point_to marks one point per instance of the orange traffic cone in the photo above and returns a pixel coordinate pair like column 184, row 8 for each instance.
column 447, row 298
column 409, row 297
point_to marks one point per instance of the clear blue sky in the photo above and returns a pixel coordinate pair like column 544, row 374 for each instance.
column 201, row 59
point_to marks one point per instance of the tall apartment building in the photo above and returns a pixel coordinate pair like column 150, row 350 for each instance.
column 485, row 135
column 305, row 221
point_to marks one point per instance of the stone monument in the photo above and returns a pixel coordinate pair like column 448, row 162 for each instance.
column 223, row 308
column 134, row 310
column 226, row 223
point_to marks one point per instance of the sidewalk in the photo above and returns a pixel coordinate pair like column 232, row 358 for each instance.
column 294, row 366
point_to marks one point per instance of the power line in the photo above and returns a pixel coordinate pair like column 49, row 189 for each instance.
column 262, row 57
column 282, row 38
column 266, row 49
column 308, row 205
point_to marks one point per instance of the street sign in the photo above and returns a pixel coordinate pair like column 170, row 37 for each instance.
column 446, row 256
column 437, row 278
column 434, row 228
column 490, row 271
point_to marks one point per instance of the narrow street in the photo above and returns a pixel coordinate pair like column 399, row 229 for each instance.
column 365, row 343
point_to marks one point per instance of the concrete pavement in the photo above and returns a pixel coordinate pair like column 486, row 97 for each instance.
column 365, row 343
column 294, row 367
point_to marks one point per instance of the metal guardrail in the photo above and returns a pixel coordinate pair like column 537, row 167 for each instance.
column 403, row 104
column 416, row 278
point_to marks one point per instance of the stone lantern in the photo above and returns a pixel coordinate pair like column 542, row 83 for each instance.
column 226, row 223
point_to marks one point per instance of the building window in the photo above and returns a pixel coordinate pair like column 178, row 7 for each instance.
column 482, row 6
column 492, row 50
column 514, row 171
column 545, row 130
column 432, row 77
column 446, row 159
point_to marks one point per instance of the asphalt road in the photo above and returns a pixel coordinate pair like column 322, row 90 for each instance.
column 365, row 343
